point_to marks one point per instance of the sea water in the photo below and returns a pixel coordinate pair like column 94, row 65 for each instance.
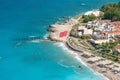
column 44, row 60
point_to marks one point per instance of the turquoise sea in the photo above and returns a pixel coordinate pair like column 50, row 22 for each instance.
column 43, row 60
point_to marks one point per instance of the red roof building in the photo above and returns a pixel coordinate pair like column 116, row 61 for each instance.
column 104, row 21
column 117, row 48
column 115, row 25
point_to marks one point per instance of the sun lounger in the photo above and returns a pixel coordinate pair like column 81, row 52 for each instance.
column 90, row 62
column 85, row 56
column 101, row 65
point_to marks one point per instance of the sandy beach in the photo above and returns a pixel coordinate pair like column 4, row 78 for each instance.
column 102, row 65
column 94, row 66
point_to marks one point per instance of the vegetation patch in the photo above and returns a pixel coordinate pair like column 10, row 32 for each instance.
column 111, row 11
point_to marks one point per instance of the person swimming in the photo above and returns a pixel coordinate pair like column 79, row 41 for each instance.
column 79, row 67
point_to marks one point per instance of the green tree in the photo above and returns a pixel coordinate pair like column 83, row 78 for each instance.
column 110, row 41
column 111, row 11
column 115, row 53
column 116, row 59
column 87, row 18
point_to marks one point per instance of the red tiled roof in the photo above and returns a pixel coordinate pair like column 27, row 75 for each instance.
column 113, row 32
column 117, row 47
column 104, row 21
column 115, row 24
column 102, row 34
column 115, row 38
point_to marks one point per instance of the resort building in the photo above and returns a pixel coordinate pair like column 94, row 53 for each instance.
column 83, row 30
column 103, row 30
column 115, row 25
column 99, row 41
column 100, row 30
column 112, row 34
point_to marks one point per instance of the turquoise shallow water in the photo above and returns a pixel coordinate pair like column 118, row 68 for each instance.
column 44, row 60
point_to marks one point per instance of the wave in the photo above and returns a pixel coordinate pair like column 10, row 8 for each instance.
column 46, row 36
column 36, row 41
column 39, row 40
column 76, row 56
column 32, row 36
column 66, row 66
column 83, row 4
column 73, row 53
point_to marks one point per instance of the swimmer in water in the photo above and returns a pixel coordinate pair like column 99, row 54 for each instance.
column 79, row 66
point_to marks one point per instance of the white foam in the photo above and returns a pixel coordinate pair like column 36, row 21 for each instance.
column 46, row 36
column 95, row 12
column 32, row 36
column 83, row 4
column 66, row 66
column 76, row 56
column 36, row 41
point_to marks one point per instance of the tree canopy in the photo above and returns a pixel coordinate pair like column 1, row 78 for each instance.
column 111, row 11
column 87, row 18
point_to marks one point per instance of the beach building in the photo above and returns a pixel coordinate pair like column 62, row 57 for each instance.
column 112, row 34
column 83, row 30
column 99, row 41
column 103, row 24
column 105, row 30
column 90, row 24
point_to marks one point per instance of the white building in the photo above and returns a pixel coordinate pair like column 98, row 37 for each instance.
column 82, row 30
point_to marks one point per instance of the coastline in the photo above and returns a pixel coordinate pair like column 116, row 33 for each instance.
column 57, row 28
column 77, row 56
column 72, row 52
column 96, row 70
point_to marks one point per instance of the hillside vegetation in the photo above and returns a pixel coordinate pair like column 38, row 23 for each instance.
column 111, row 11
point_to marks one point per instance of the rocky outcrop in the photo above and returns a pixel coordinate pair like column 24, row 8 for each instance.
column 56, row 29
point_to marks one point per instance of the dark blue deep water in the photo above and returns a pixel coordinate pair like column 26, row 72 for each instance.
column 44, row 60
